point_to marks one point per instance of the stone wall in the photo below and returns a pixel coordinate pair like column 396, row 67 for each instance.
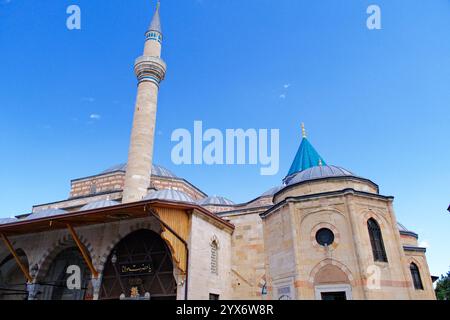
column 408, row 240
column 113, row 182
column 98, row 184
column 420, row 260
column 202, row 281
column 280, row 257
column 248, row 256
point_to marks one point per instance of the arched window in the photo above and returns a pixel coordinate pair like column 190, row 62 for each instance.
column 376, row 239
column 214, row 258
column 415, row 274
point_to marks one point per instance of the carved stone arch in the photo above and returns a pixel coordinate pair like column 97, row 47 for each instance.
column 64, row 242
column 377, row 216
column 4, row 253
column 147, row 225
column 322, row 210
column 419, row 264
column 330, row 262
column 413, row 260
column 19, row 251
column 141, row 249
column 421, row 269
column 12, row 277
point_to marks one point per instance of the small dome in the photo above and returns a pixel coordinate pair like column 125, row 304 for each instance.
column 162, row 172
column 271, row 192
column 99, row 204
column 117, row 167
column 318, row 172
column 401, row 227
column 156, row 170
column 46, row 214
column 7, row 220
column 406, row 231
column 215, row 200
column 169, row 195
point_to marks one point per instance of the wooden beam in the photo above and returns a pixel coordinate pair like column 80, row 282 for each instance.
column 17, row 258
column 83, row 251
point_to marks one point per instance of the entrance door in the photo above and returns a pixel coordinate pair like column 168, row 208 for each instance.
column 140, row 265
column 334, row 296
column 334, row 292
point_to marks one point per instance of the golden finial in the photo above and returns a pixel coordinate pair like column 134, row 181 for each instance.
column 304, row 131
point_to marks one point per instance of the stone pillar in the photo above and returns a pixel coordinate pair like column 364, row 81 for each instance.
column 401, row 253
column 96, row 286
column 360, row 273
column 33, row 291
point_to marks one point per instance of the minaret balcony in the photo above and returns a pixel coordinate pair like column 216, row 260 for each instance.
column 151, row 69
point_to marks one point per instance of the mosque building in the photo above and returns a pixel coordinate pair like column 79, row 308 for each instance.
column 139, row 231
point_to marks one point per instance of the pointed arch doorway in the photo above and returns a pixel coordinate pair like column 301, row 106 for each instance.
column 139, row 265
column 12, row 281
column 54, row 286
column 332, row 283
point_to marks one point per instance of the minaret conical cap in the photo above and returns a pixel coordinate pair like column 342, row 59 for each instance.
column 155, row 25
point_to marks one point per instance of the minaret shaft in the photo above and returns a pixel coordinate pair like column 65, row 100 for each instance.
column 140, row 156
column 150, row 70
column 152, row 49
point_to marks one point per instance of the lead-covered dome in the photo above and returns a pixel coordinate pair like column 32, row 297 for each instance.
column 318, row 172
column 46, row 214
column 405, row 231
column 7, row 220
column 99, row 204
column 158, row 171
column 169, row 195
column 215, row 201
column 271, row 192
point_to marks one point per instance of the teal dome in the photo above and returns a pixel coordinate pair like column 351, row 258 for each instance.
column 306, row 157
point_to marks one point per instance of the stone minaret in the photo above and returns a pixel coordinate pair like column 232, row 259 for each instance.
column 150, row 70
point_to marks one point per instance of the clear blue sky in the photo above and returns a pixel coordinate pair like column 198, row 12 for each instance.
column 374, row 102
